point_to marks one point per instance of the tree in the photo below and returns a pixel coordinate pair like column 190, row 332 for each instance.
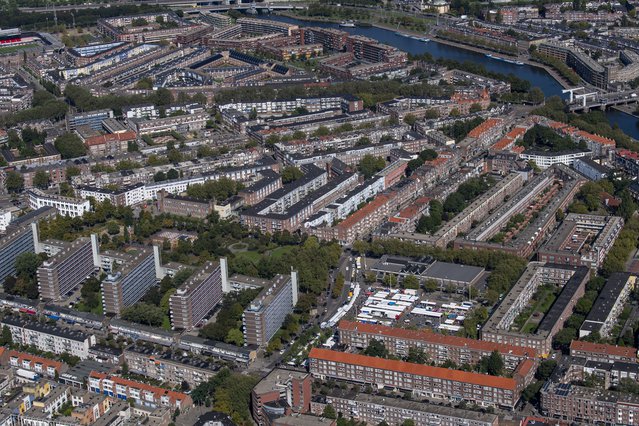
column 475, row 107
column 329, row 412
column 410, row 119
column 14, row 182
column 408, row 422
column 143, row 313
column 492, row 364
column 7, row 338
column 431, row 286
column 172, row 174
column 536, row 95
column 376, row 348
column 113, row 228
column 72, row 171
column 41, row 179
column 545, row 369
column 27, row 265
column 563, row 338
column 410, row 282
column 369, row 165
column 416, row 355
column 291, row 174
column 235, row 337
column 70, row 146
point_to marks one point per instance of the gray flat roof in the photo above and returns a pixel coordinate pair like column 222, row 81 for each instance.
column 453, row 272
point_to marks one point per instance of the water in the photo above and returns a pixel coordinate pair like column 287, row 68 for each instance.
column 538, row 77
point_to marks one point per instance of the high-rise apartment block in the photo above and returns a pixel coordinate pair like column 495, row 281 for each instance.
column 196, row 297
column 64, row 270
column 267, row 312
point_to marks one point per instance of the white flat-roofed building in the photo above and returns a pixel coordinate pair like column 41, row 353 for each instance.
column 66, row 206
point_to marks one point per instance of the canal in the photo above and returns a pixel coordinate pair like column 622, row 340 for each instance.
column 538, row 77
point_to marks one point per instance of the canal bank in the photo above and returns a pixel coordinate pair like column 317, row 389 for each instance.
column 534, row 73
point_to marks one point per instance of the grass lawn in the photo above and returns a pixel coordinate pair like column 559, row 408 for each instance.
column 11, row 49
column 281, row 251
column 251, row 256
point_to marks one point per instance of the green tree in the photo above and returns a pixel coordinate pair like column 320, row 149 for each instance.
column 410, row 282
column 7, row 338
column 376, row 348
column 41, row 179
column 329, row 412
column 27, row 265
column 235, row 337
column 291, row 174
column 70, row 145
column 493, row 364
column 416, row 355
column 545, row 369
column 369, row 165
column 14, row 182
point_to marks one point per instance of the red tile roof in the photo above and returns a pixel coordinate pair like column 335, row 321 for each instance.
column 484, row 127
column 600, row 348
column 429, row 336
column 368, row 209
column 416, row 369
column 129, row 135
column 596, row 138
column 157, row 391
column 23, row 356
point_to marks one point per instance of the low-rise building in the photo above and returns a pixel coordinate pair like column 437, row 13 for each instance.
column 600, row 352
column 66, row 206
column 49, row 338
column 184, row 206
column 279, row 394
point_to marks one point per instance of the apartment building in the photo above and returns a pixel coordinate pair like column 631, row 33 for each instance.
column 198, row 345
column 92, row 119
column 572, row 281
column 422, row 380
column 44, row 367
column 130, row 275
column 266, row 313
column 124, row 196
column 168, row 367
column 184, row 206
column 600, row 352
column 438, row 347
column 109, row 144
column 144, row 395
column 66, row 206
column 269, row 183
column 48, row 338
column 137, row 332
column 180, row 123
column 267, row 397
column 66, row 269
column 590, row 169
column 20, row 237
column 194, row 299
column 544, row 159
column 374, row 409
column 581, row 405
column 609, row 305
column 582, row 240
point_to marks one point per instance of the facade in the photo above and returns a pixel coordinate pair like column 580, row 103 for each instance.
column 49, row 338
column 66, row 206
column 44, row 367
column 109, row 144
column 20, row 237
column 124, row 196
column 590, row 169
column 66, row 269
column 143, row 394
column 281, row 393
column 129, row 277
column 92, row 119
column 602, row 353
column 266, row 313
column 242, row 355
column 374, row 409
column 546, row 159
column 196, row 297
column 183, row 206
column 438, row 347
column 166, row 367
column 578, row 404
column 421, row 380
column 609, row 305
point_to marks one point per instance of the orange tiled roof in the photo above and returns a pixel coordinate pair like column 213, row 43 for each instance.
column 368, row 209
column 102, row 139
column 517, row 149
column 484, row 127
column 23, row 356
column 429, row 336
column 596, row 138
column 502, row 144
column 157, row 391
column 600, row 348
column 516, row 132
column 524, row 367
column 416, row 369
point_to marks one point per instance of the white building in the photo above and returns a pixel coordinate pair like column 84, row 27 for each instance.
column 543, row 160
column 49, row 338
column 67, row 206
